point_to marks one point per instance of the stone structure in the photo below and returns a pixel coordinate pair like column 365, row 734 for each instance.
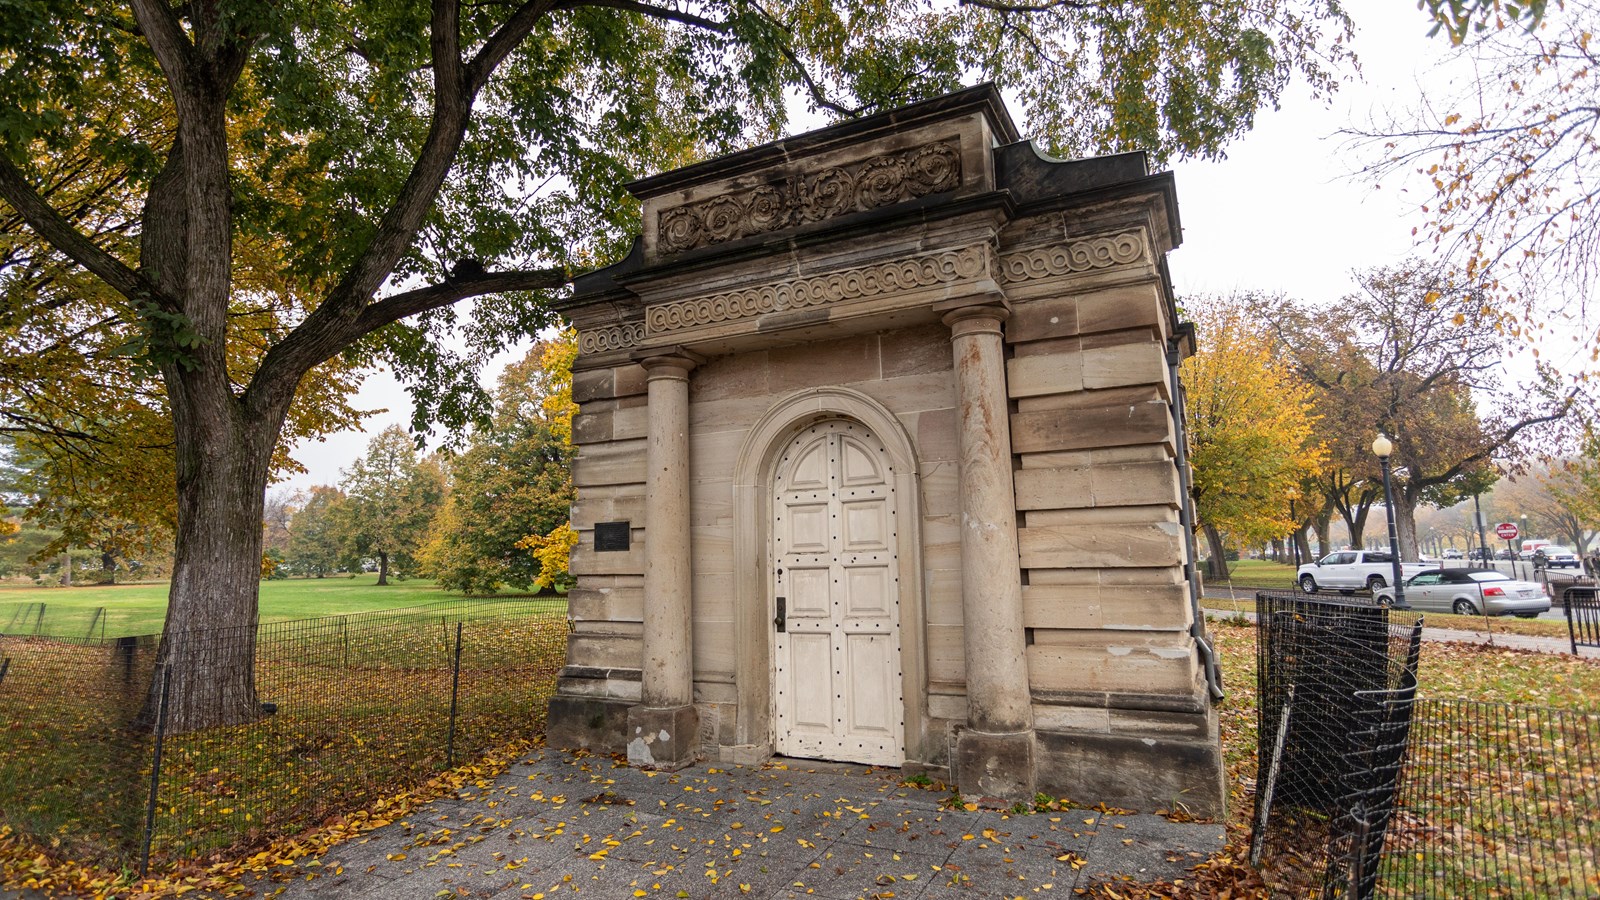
column 880, row 460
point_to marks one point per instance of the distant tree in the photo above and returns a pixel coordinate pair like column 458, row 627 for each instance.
column 390, row 496
column 276, row 515
column 1251, row 429
column 1559, row 499
column 1416, row 357
column 513, row 485
column 315, row 542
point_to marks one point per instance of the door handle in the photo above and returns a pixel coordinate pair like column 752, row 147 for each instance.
column 782, row 621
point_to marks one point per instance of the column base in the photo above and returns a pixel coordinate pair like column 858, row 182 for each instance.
column 995, row 769
column 662, row 738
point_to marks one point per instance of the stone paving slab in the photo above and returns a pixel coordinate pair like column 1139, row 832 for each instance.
column 563, row 826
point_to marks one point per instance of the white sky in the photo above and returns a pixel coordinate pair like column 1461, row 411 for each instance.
column 1279, row 214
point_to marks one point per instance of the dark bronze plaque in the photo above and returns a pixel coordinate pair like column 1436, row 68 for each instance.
column 611, row 536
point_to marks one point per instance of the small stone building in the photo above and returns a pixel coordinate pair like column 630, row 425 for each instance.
column 881, row 460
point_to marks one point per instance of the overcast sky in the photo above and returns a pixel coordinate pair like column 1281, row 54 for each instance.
column 1279, row 214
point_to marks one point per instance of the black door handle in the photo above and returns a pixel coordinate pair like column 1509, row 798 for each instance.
column 782, row 621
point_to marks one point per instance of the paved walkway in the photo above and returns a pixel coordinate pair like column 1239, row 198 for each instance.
column 556, row 826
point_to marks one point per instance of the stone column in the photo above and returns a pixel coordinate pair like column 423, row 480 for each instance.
column 662, row 729
column 995, row 753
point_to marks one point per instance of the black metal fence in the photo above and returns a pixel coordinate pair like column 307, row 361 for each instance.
column 1365, row 790
column 1336, row 683
column 344, row 710
column 1582, row 606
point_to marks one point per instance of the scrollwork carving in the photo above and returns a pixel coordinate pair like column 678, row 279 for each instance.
column 868, row 184
column 1076, row 256
column 821, row 290
column 610, row 337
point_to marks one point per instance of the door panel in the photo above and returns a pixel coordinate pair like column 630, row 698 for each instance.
column 837, row 660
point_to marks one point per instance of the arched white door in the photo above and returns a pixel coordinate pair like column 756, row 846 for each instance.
column 836, row 654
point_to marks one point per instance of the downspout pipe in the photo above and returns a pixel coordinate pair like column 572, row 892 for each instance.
column 1208, row 656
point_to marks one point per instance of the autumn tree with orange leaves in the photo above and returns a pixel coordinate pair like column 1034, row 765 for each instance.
column 1251, row 429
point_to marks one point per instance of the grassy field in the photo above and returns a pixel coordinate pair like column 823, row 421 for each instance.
column 140, row 608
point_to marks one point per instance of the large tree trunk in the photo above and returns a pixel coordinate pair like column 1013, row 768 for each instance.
column 1217, row 566
column 383, row 568
column 208, row 643
column 1405, row 523
column 1324, row 533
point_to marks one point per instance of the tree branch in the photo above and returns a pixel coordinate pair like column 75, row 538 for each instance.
column 656, row 12
column 287, row 362
column 171, row 46
column 409, row 303
column 54, row 228
column 505, row 39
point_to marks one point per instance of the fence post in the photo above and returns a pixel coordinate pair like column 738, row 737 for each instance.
column 1265, row 800
column 155, row 773
column 455, row 687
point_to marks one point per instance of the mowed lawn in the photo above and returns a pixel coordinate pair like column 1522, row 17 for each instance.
column 140, row 608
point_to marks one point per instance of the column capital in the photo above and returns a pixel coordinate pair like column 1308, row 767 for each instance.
column 986, row 315
column 668, row 362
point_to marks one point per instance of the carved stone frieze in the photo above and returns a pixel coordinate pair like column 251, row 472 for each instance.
column 610, row 337
column 821, row 290
column 1078, row 256
column 801, row 199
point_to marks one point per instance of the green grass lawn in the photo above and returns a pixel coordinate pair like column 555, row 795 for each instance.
column 1258, row 573
column 140, row 608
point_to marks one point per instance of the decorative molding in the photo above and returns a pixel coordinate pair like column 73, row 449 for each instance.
column 610, row 337
column 822, row 290
column 799, row 199
column 1077, row 256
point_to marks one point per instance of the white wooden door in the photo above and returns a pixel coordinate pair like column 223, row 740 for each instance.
column 836, row 681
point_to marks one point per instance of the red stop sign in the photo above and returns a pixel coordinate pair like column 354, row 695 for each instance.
column 1506, row 530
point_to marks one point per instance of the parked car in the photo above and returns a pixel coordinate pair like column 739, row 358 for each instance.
column 1348, row 571
column 1452, row 553
column 1557, row 557
column 1505, row 554
column 1471, row 592
column 1480, row 554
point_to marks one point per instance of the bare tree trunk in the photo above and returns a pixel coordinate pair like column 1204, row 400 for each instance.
column 383, row 568
column 1405, row 524
column 1218, row 566
column 66, row 569
column 1324, row 537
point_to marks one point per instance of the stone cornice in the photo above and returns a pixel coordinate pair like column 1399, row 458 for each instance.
column 866, row 184
column 1098, row 252
column 907, row 274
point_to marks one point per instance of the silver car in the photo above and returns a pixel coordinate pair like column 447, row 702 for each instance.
column 1471, row 592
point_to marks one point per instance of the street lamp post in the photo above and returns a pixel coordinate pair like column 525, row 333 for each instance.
column 1524, row 533
column 1477, row 512
column 1382, row 448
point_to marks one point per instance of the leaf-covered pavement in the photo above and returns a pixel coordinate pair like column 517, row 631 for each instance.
column 558, row 826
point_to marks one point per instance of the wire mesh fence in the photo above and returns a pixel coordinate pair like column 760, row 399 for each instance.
column 328, row 715
column 1498, row 800
column 1365, row 790
column 1335, row 685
